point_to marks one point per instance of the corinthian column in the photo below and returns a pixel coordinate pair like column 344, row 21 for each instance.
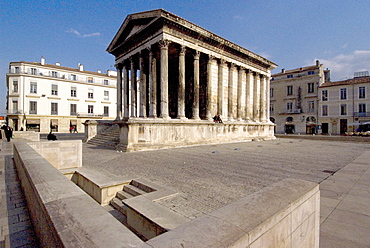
column 239, row 110
column 133, row 89
column 152, row 85
column 268, row 79
column 263, row 106
column 196, row 86
column 231, row 92
column 220, row 93
column 209, row 89
column 181, row 90
column 119, row 92
column 126, row 95
column 142, row 87
column 164, row 78
column 249, row 95
column 256, row 97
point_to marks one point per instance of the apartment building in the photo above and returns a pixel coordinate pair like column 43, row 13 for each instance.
column 294, row 99
column 344, row 105
column 50, row 97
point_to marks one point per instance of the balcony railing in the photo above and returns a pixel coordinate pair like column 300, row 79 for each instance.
column 361, row 114
column 89, row 115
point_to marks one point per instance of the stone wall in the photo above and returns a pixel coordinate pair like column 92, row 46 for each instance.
column 28, row 135
column 61, row 154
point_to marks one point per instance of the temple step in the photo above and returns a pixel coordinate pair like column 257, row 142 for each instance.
column 108, row 138
column 133, row 190
column 123, row 195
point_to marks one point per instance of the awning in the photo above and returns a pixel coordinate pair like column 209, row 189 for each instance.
column 33, row 121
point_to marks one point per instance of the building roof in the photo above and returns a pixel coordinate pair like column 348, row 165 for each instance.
column 360, row 80
column 139, row 24
column 297, row 70
column 64, row 68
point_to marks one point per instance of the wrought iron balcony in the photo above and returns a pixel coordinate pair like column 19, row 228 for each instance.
column 361, row 114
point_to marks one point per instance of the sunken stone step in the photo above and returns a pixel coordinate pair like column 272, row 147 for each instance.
column 117, row 204
column 134, row 191
column 123, row 195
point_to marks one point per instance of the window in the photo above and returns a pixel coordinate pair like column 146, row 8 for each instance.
column 272, row 108
column 106, row 111
column 343, row 94
column 106, row 95
column 311, row 73
column 90, row 94
column 54, row 89
column 33, row 71
column 16, row 69
column 90, row 79
column 361, row 93
column 15, row 85
column 33, row 87
column 324, row 95
column 324, row 110
column 311, row 106
column 343, row 109
column 289, row 107
column 311, row 87
column 54, row 74
column 73, row 91
column 290, row 90
column 73, row 77
column 33, row 107
column 90, row 109
column 289, row 76
column 106, row 82
column 73, row 109
column 54, row 108
column 362, row 108
column 271, row 92
column 15, row 107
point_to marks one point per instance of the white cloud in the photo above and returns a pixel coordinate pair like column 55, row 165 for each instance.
column 343, row 66
column 74, row 31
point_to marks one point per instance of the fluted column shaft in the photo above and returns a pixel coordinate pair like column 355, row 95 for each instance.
column 133, row 89
column 181, row 90
column 196, row 86
column 126, row 95
column 210, row 110
column 142, row 87
column 249, row 95
column 239, row 110
column 119, row 92
column 220, row 93
column 152, row 85
column 231, row 92
column 164, row 78
column 256, row 97
column 263, row 106
column 268, row 99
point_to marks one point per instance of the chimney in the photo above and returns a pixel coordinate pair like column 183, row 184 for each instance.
column 317, row 63
column 57, row 64
column 42, row 60
column 80, row 67
column 99, row 71
column 283, row 70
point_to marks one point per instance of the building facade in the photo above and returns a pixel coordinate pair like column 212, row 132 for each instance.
column 186, row 76
column 344, row 105
column 294, row 99
column 45, row 97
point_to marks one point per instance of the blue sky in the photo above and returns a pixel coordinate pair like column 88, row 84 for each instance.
column 289, row 33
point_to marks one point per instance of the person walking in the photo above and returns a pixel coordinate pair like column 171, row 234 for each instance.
column 8, row 133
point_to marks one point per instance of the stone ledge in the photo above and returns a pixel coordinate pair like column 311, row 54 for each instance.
column 63, row 215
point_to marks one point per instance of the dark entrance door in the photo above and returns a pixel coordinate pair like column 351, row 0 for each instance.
column 343, row 126
column 289, row 128
column 325, row 128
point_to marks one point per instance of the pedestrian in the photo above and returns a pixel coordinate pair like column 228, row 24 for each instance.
column 51, row 136
column 8, row 133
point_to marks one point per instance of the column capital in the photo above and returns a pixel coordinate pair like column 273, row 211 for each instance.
column 119, row 66
column 211, row 58
column 223, row 62
column 197, row 55
column 182, row 50
column 164, row 44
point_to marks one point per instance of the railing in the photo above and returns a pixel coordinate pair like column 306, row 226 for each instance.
column 89, row 115
column 361, row 114
column 291, row 111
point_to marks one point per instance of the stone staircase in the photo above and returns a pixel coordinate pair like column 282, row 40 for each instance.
column 108, row 138
column 144, row 216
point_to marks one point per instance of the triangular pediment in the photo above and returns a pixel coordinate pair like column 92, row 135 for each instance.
column 133, row 24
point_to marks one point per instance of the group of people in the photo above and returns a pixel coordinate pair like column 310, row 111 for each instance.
column 8, row 131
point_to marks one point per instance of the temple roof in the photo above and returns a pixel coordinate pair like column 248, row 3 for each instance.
column 135, row 26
